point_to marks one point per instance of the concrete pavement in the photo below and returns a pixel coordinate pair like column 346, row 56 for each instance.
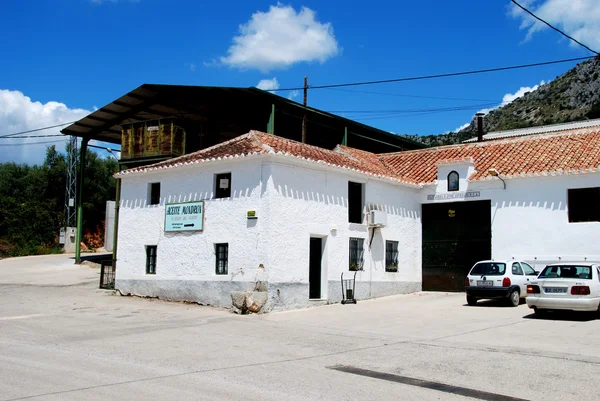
column 61, row 338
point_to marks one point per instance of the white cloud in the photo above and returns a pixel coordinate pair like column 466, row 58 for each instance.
column 279, row 38
column 462, row 127
column 578, row 18
column 268, row 84
column 506, row 99
column 510, row 97
column 191, row 66
column 293, row 95
column 19, row 113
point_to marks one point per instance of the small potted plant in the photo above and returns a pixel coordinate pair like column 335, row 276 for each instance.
column 354, row 267
column 393, row 267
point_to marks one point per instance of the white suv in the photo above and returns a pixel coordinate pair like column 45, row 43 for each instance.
column 494, row 279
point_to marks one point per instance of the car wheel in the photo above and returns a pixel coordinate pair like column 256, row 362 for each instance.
column 514, row 298
column 472, row 301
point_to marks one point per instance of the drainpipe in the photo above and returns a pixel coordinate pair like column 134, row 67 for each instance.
column 479, row 117
column 82, row 152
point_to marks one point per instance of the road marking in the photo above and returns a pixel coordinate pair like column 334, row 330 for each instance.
column 410, row 381
column 22, row 316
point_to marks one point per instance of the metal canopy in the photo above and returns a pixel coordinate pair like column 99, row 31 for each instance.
column 220, row 113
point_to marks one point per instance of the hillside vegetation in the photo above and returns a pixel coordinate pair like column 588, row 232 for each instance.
column 573, row 96
column 32, row 203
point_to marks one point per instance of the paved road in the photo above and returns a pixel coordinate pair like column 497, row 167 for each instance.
column 63, row 339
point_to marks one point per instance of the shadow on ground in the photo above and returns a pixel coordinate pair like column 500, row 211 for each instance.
column 567, row 316
column 494, row 303
column 94, row 257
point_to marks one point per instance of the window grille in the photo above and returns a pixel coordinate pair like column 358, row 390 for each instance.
column 151, row 251
column 222, row 256
column 391, row 256
column 356, row 253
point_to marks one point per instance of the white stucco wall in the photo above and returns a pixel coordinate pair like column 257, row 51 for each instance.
column 293, row 201
column 296, row 200
column 186, row 261
column 311, row 201
column 530, row 218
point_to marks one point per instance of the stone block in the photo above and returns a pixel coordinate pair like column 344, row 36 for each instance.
column 248, row 301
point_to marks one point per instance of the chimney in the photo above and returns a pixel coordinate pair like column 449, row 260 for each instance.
column 479, row 117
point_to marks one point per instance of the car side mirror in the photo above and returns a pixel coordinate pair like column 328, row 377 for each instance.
column 536, row 272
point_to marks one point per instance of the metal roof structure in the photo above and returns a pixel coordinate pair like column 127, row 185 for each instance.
column 544, row 129
column 216, row 114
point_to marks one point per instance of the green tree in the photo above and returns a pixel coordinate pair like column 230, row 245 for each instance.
column 32, row 201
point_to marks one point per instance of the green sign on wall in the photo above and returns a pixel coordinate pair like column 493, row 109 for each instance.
column 188, row 216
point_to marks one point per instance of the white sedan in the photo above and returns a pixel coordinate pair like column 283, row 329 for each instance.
column 565, row 286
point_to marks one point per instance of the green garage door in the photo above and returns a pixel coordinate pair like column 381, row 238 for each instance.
column 455, row 236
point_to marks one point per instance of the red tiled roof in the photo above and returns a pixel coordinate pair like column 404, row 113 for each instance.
column 256, row 142
column 457, row 160
column 571, row 152
column 524, row 156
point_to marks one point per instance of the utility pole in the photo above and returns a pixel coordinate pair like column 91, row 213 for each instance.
column 70, row 191
column 304, row 118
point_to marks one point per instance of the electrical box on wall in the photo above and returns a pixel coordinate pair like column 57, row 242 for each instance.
column 377, row 218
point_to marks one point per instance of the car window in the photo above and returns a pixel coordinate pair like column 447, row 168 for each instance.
column 571, row 271
column 598, row 271
column 516, row 269
column 489, row 269
column 528, row 269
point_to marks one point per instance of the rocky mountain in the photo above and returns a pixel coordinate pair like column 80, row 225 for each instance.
column 442, row 139
column 572, row 96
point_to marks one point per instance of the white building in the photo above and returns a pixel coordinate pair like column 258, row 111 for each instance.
column 294, row 217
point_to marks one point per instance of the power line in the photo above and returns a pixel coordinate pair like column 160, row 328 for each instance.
column 401, row 111
column 452, row 74
column 53, row 141
column 556, row 29
column 388, row 116
column 31, row 136
column 417, row 78
column 411, row 96
column 30, row 143
column 36, row 129
column 110, row 150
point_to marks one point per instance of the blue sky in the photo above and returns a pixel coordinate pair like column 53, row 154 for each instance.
column 63, row 58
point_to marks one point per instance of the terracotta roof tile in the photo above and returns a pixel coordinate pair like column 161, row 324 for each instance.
column 524, row 156
column 548, row 154
column 256, row 142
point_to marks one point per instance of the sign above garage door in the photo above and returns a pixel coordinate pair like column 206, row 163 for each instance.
column 455, row 195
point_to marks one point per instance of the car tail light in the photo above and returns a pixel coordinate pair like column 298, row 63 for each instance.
column 506, row 282
column 533, row 289
column 580, row 290
column 467, row 282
